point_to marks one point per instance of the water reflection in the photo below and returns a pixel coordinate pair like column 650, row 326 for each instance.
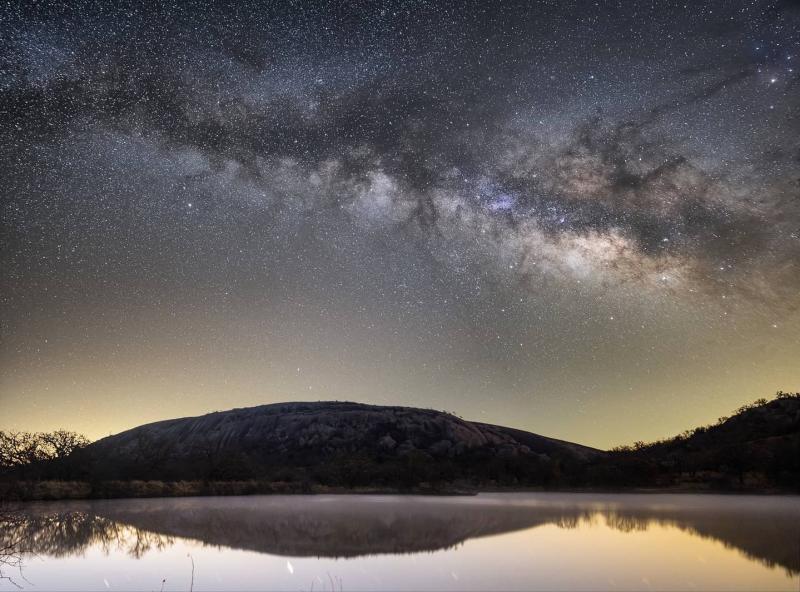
column 764, row 529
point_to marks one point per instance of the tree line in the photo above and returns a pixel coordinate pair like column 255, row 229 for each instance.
column 23, row 453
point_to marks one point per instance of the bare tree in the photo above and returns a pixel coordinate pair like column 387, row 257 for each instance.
column 61, row 443
column 28, row 453
column 18, row 449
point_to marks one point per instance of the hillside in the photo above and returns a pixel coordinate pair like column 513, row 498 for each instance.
column 334, row 443
column 757, row 447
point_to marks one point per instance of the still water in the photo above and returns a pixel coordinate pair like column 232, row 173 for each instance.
column 541, row 541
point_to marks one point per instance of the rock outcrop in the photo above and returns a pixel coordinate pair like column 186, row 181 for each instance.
column 302, row 437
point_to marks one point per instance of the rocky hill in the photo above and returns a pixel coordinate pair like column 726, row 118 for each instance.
column 339, row 443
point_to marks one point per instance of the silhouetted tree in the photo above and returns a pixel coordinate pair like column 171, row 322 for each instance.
column 39, row 454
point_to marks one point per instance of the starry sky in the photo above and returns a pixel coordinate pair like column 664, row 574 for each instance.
column 576, row 218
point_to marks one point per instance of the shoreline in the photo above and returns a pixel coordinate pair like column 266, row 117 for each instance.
column 25, row 491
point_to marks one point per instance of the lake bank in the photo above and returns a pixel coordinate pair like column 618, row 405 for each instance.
column 79, row 490
column 52, row 490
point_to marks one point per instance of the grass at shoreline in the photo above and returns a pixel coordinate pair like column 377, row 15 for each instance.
column 18, row 491
column 77, row 490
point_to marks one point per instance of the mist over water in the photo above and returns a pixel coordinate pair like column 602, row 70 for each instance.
column 491, row 541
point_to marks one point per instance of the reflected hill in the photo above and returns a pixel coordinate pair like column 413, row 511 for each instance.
column 764, row 529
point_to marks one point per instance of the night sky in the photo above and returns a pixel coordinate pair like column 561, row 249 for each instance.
column 580, row 219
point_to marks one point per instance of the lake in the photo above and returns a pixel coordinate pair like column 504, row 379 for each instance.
column 516, row 541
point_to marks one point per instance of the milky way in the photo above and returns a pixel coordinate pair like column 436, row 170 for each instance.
column 541, row 214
